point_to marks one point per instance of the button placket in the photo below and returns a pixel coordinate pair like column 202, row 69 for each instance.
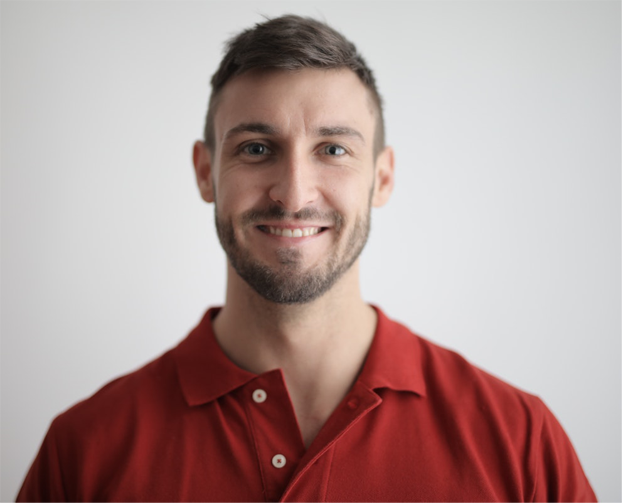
column 358, row 404
column 275, row 431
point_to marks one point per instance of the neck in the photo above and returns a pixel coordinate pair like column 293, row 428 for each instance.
column 320, row 345
column 260, row 335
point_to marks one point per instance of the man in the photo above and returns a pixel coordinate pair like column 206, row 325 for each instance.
column 296, row 389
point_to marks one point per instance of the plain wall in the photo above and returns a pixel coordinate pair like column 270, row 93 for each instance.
column 501, row 241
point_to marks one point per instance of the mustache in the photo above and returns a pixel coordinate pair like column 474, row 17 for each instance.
column 278, row 213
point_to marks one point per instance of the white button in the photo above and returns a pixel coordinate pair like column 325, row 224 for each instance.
column 259, row 395
column 278, row 461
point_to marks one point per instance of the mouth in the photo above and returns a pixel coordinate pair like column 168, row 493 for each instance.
column 291, row 232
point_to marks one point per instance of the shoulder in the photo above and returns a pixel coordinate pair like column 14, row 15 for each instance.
column 464, row 400
column 455, row 378
column 128, row 399
column 451, row 378
column 481, row 413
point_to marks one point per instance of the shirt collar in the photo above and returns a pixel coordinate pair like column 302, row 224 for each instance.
column 394, row 358
column 206, row 373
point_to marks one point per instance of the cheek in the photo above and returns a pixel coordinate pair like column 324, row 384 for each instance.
column 235, row 194
column 348, row 195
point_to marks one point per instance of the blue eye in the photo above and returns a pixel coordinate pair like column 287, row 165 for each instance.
column 256, row 149
column 334, row 150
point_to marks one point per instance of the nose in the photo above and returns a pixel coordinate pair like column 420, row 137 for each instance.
column 295, row 183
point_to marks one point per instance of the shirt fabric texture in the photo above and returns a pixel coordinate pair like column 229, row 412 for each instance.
column 419, row 424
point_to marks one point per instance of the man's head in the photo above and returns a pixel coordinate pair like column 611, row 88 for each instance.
column 293, row 161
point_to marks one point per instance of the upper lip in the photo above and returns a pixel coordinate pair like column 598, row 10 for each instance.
column 291, row 225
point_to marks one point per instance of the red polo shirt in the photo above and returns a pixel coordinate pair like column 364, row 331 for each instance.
column 419, row 424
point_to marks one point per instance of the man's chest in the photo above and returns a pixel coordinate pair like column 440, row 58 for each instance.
column 241, row 449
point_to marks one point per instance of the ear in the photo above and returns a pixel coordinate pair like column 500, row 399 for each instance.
column 202, row 158
column 384, row 174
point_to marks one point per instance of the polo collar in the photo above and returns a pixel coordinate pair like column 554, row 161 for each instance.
column 206, row 373
column 394, row 360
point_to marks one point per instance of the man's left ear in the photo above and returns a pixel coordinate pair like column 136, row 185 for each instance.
column 384, row 173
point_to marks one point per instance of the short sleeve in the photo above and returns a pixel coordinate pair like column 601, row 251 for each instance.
column 43, row 481
column 559, row 475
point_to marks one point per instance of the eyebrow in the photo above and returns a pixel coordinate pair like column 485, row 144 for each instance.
column 267, row 129
column 251, row 127
column 340, row 131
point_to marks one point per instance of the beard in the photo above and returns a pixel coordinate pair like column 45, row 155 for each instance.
column 289, row 282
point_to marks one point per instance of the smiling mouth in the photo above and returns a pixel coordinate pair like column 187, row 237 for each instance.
column 298, row 232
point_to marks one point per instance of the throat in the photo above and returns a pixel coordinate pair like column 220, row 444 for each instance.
column 312, row 414
column 310, row 427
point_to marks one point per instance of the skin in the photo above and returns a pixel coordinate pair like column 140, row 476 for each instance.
column 317, row 155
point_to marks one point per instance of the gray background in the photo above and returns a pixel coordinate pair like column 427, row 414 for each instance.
column 502, row 239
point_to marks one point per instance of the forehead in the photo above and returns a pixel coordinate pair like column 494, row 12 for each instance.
column 296, row 102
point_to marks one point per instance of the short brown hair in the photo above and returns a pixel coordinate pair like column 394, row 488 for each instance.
column 291, row 43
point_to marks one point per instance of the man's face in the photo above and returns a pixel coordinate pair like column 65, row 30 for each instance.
column 293, row 178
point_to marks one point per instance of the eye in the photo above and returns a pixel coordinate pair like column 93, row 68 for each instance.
column 334, row 150
column 256, row 149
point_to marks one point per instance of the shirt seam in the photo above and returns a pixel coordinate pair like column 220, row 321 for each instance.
column 60, row 466
column 536, row 478
column 256, row 444
column 330, row 471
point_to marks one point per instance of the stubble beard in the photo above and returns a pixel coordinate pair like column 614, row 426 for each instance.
column 289, row 282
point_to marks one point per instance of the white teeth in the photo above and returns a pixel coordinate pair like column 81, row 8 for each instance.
column 294, row 233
